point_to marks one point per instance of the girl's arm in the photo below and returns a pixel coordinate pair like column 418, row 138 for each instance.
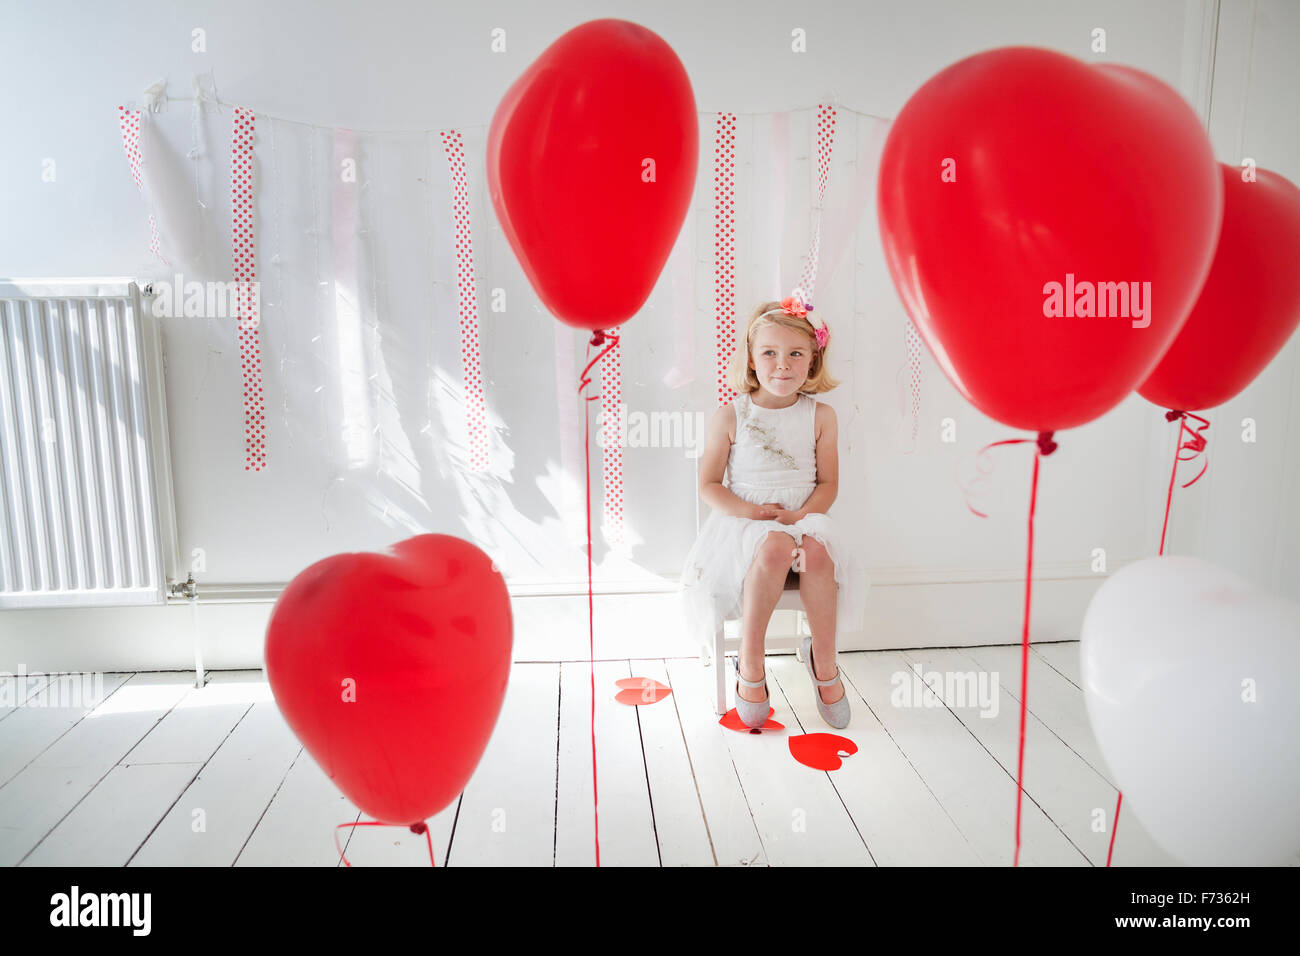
column 828, row 463
column 713, row 466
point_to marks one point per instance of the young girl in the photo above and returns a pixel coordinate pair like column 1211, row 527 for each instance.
column 778, row 446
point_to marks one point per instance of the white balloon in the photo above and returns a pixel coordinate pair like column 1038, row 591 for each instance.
column 1190, row 682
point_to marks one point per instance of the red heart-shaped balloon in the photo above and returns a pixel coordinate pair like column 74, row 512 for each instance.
column 1250, row 303
column 1018, row 189
column 591, row 162
column 391, row 669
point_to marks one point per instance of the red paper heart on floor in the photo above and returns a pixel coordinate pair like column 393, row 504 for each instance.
column 731, row 720
column 821, row 751
column 641, row 690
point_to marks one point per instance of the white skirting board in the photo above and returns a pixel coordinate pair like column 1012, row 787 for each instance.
column 547, row 628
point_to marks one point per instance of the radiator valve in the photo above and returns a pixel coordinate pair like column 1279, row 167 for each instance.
column 188, row 589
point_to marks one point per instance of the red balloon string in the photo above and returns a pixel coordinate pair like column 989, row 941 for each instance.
column 1045, row 447
column 414, row 827
column 1113, row 827
column 1196, row 445
column 597, row 339
column 1195, row 440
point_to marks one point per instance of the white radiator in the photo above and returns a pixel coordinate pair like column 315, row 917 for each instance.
column 88, row 517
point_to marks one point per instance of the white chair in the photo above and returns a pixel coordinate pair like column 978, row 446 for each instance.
column 715, row 655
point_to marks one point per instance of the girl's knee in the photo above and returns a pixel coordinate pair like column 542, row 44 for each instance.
column 816, row 557
column 776, row 550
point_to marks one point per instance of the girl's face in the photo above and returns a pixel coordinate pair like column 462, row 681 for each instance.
column 780, row 359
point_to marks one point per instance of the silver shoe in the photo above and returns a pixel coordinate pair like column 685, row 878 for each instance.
column 836, row 714
column 752, row 713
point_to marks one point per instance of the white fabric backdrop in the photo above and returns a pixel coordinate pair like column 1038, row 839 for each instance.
column 367, row 439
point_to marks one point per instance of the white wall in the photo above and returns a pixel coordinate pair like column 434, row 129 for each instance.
column 410, row 66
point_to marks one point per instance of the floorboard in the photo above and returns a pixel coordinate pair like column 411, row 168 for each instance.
column 151, row 771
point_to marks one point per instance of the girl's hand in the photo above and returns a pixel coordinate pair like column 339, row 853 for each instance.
column 764, row 512
column 786, row 517
column 774, row 512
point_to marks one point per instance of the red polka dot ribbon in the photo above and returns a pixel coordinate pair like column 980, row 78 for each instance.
column 724, row 249
column 129, row 121
column 611, row 395
column 825, row 148
column 471, row 358
column 245, row 270
column 914, row 376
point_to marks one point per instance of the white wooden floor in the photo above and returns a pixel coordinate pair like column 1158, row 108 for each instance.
column 161, row 773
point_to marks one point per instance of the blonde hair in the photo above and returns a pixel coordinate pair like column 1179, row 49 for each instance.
column 742, row 378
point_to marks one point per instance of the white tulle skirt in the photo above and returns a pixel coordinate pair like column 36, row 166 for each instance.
column 713, row 575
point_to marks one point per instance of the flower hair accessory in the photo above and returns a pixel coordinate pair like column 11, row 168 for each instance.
column 797, row 305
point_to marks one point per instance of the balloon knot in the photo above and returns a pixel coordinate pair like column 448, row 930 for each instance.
column 1045, row 444
column 598, row 338
column 419, row 828
column 1174, row 415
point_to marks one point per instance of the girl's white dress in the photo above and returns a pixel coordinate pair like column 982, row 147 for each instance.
column 772, row 459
